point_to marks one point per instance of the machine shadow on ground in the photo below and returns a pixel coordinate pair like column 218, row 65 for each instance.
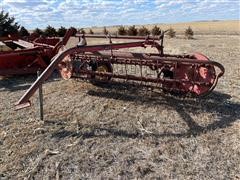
column 217, row 103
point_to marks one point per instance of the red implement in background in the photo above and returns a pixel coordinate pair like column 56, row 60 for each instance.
column 22, row 57
column 176, row 74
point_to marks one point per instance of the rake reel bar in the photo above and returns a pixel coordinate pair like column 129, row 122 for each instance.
column 180, row 74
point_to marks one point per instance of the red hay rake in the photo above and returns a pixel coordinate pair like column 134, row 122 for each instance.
column 176, row 74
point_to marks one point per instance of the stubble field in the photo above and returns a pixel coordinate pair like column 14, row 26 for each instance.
column 125, row 132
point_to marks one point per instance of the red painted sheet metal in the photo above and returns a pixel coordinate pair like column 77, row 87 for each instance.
column 47, row 41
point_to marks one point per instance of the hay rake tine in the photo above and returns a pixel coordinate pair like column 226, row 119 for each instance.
column 173, row 73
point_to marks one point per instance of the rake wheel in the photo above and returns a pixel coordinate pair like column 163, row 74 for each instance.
column 102, row 67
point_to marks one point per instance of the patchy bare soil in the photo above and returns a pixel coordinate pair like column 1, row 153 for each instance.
column 125, row 132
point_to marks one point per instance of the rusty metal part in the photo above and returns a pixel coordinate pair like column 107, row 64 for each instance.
column 194, row 74
column 27, row 58
column 65, row 67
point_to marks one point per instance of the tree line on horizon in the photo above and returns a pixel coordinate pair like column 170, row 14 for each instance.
column 9, row 26
column 142, row 31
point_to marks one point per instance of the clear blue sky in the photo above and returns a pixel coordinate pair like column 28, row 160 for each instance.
column 87, row 13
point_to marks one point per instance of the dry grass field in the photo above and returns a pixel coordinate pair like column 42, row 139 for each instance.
column 199, row 28
column 121, row 131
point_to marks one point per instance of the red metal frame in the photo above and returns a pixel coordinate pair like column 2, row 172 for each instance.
column 198, row 64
